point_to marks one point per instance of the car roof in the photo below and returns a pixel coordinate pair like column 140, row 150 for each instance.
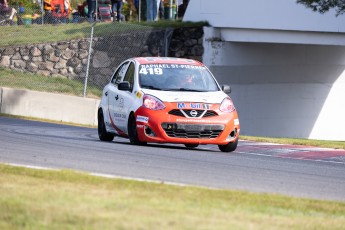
column 167, row 60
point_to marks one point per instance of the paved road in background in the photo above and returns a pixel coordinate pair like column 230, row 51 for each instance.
column 256, row 167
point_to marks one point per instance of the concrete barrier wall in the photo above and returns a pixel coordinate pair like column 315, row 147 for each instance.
column 50, row 106
column 0, row 98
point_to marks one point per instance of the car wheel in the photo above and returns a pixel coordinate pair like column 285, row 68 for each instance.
column 191, row 146
column 132, row 131
column 102, row 132
column 230, row 147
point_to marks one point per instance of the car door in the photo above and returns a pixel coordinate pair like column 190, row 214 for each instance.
column 115, row 101
column 125, row 98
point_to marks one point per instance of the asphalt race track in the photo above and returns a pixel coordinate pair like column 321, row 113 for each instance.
column 256, row 167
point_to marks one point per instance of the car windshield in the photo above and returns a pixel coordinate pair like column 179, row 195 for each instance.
column 176, row 77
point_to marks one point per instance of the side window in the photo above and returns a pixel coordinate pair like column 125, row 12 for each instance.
column 117, row 77
column 130, row 75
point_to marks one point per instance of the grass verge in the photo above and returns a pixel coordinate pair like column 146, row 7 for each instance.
column 42, row 199
column 26, row 80
column 32, row 34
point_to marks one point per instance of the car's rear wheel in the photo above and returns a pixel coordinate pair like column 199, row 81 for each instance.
column 191, row 146
column 230, row 147
column 102, row 132
column 132, row 131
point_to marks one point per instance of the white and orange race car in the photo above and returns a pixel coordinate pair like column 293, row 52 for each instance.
column 167, row 100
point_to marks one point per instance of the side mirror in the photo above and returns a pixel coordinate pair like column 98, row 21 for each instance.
column 226, row 89
column 125, row 86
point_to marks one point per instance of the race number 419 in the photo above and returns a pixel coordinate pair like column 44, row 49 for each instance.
column 156, row 71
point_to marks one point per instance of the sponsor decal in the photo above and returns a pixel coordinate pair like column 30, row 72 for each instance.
column 142, row 119
column 119, row 131
column 140, row 126
column 138, row 94
column 121, row 102
column 198, row 121
column 119, row 116
column 154, row 59
column 181, row 105
column 195, row 105
column 236, row 121
column 206, row 106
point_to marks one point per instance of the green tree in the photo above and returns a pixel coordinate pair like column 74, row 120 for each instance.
column 323, row 6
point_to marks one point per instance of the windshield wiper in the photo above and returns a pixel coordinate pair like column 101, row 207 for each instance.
column 183, row 89
column 150, row 87
column 191, row 90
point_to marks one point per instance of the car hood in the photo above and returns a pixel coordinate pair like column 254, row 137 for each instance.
column 182, row 96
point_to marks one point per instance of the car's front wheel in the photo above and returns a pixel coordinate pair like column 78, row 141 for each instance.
column 132, row 131
column 230, row 147
column 102, row 132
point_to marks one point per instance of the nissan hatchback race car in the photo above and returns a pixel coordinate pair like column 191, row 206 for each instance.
column 167, row 100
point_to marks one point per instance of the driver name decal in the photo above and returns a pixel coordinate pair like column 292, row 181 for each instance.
column 157, row 69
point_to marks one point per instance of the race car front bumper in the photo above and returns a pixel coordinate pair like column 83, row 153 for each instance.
column 162, row 127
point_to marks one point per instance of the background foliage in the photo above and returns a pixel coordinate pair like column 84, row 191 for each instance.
column 323, row 6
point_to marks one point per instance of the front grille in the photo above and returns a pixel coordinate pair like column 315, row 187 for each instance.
column 176, row 112
column 197, row 113
column 210, row 113
column 192, row 130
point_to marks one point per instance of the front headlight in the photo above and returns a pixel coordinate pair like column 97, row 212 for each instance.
column 153, row 103
column 227, row 105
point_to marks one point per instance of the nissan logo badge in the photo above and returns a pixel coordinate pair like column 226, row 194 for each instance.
column 193, row 113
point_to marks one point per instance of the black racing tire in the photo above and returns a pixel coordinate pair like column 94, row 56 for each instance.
column 102, row 131
column 132, row 131
column 191, row 146
column 230, row 147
